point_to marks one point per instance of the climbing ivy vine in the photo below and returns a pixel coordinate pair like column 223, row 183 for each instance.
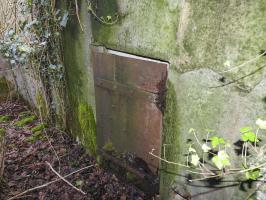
column 34, row 43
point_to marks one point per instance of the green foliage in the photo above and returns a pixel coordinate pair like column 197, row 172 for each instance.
column 205, row 148
column 249, row 137
column 221, row 160
column 25, row 121
column 253, row 174
column 35, row 44
column 5, row 118
column 2, row 132
column 216, row 141
column 88, row 127
column 195, row 159
column 38, row 127
column 246, row 129
column 36, row 136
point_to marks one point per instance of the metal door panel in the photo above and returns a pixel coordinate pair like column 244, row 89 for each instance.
column 127, row 111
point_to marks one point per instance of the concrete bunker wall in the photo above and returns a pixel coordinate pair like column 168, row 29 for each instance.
column 202, row 40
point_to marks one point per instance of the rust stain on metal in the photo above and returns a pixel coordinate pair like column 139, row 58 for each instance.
column 129, row 103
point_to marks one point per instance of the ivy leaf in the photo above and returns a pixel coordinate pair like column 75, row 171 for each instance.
column 89, row 8
column 245, row 129
column 253, row 174
column 261, row 123
column 79, row 183
column 215, row 141
column 195, row 159
column 205, row 148
column 249, row 136
column 191, row 130
column 221, row 160
column 191, row 150
column 227, row 63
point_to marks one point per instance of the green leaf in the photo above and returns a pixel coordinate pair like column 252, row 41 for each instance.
column 108, row 17
column 191, row 150
column 221, row 160
column 261, row 123
column 246, row 129
column 205, row 148
column 79, row 183
column 215, row 141
column 195, row 159
column 253, row 174
column 227, row 63
column 191, row 130
column 249, row 136
column 89, row 8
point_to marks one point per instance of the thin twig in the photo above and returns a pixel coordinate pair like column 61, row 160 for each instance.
column 236, row 80
column 99, row 19
column 49, row 183
column 77, row 13
column 167, row 161
column 66, row 181
column 245, row 63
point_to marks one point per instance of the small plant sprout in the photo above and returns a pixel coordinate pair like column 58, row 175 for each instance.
column 221, row 160
column 218, row 162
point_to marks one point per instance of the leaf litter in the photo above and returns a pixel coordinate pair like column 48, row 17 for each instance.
column 26, row 155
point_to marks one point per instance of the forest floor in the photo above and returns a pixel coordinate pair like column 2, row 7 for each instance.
column 33, row 156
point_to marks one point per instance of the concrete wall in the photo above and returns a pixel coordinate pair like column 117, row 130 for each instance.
column 26, row 84
column 79, row 77
column 200, row 40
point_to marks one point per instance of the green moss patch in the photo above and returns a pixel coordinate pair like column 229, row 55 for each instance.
column 38, row 127
column 2, row 132
column 88, row 127
column 5, row 118
column 25, row 121
column 171, row 136
column 3, row 89
column 37, row 136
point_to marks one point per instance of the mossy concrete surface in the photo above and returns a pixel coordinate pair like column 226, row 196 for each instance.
column 203, row 41
column 79, row 77
column 4, row 91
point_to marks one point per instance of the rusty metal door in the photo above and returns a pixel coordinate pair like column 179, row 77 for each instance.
column 129, row 91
